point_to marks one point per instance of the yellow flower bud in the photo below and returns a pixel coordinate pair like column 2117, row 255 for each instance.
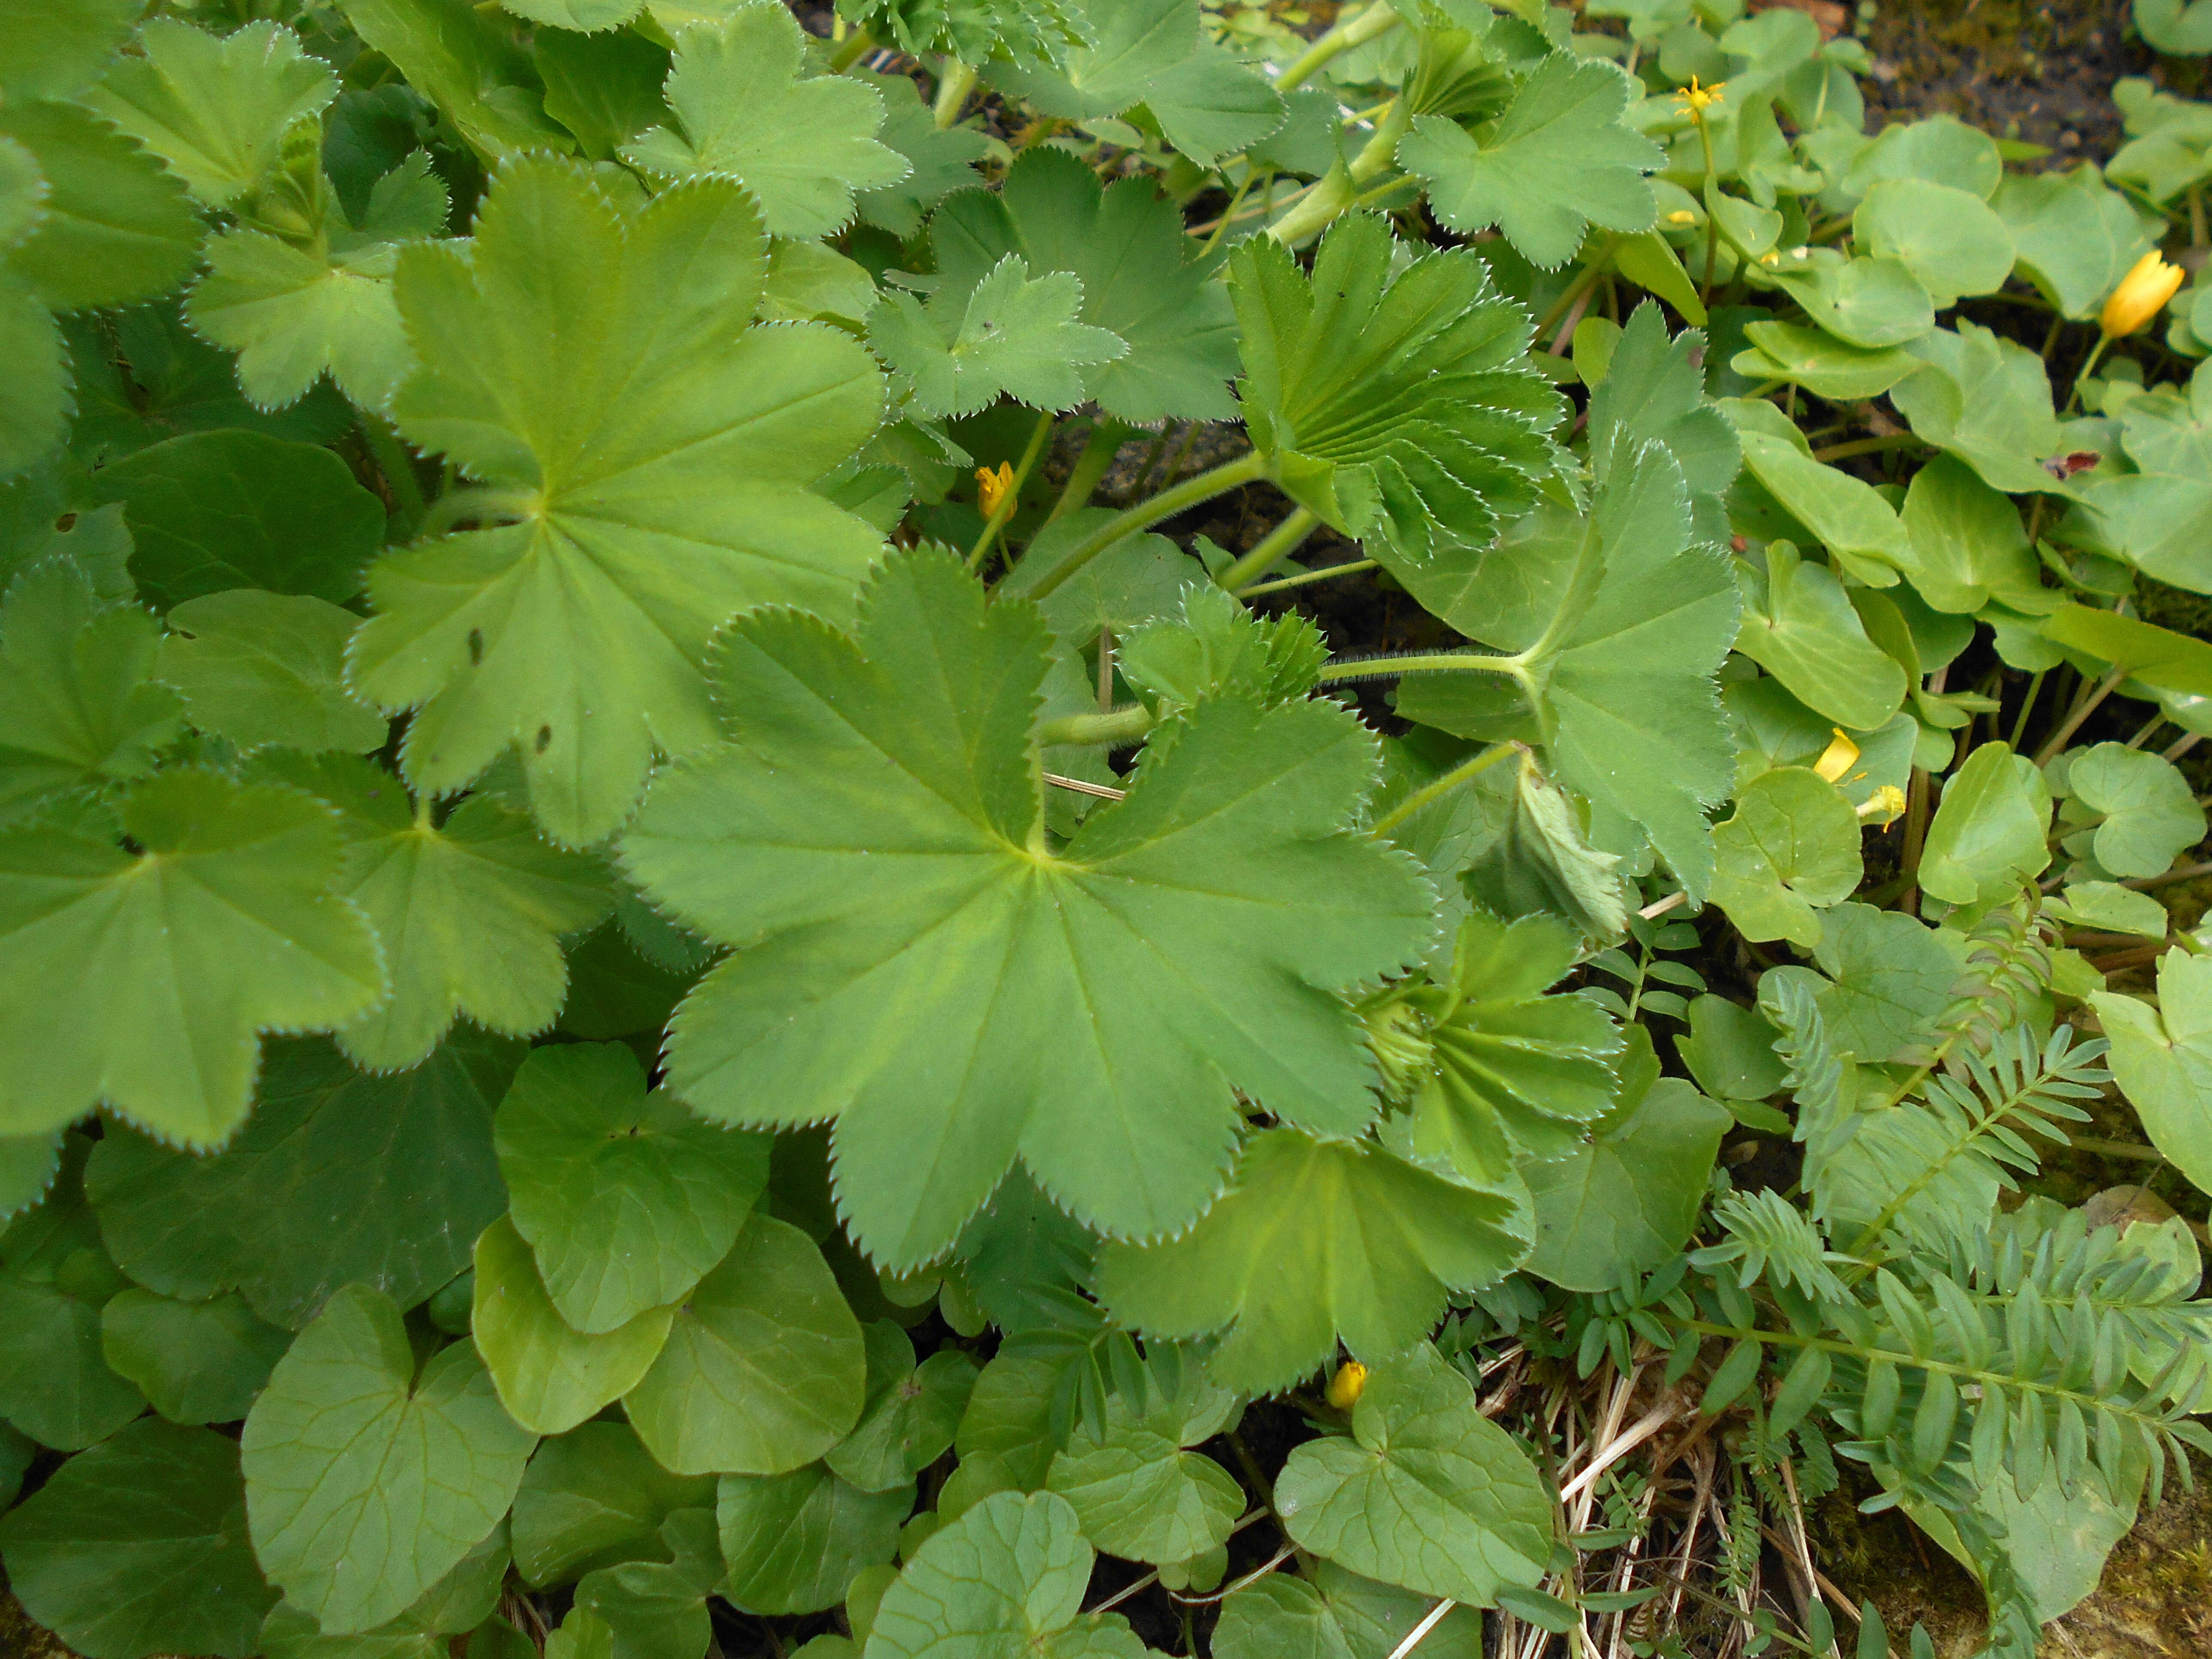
column 1681, row 217
column 1885, row 806
column 2142, row 294
column 991, row 487
column 1836, row 759
column 1344, row 1388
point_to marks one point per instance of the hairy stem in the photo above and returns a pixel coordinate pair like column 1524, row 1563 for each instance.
column 1442, row 786
column 1272, row 549
column 1378, row 19
column 1180, row 498
column 1116, row 730
column 1305, row 576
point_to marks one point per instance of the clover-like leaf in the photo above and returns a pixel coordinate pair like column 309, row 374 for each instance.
column 625, row 1197
column 268, row 670
column 139, row 1546
column 794, row 1543
column 551, row 1378
column 215, row 108
column 801, row 146
column 764, row 1367
column 911, row 1414
column 2162, row 1061
column 1007, row 1576
column 593, row 1498
column 1317, row 1241
column 1989, row 833
column 1138, row 1492
column 873, row 839
column 398, row 1168
column 1791, row 849
column 143, row 982
column 1140, row 282
column 1009, row 333
column 1557, row 161
column 1428, row 1493
column 1400, row 409
column 2136, row 810
column 472, row 911
column 75, row 680
column 366, row 1480
column 597, row 369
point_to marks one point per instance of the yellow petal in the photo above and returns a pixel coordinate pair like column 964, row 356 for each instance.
column 2142, row 294
column 991, row 487
column 1836, row 759
column 1885, row 806
column 1345, row 1387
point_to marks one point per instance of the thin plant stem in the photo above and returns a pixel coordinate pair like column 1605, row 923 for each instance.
column 1274, row 548
column 2187, row 872
column 2182, row 745
column 1442, row 786
column 957, row 81
column 1869, row 446
column 2083, row 707
column 1442, row 662
column 2096, row 353
column 852, row 47
column 1099, row 449
column 1179, row 498
column 1221, row 225
column 2027, row 707
column 1012, row 498
column 1305, row 577
column 1584, row 281
column 1377, row 19
column 1182, row 453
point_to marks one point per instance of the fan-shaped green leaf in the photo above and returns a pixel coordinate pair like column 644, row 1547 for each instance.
column 1317, row 1241
column 764, row 1367
column 1217, row 648
column 1557, row 161
column 56, row 52
column 875, row 842
column 2143, row 810
column 579, row 359
column 1791, row 849
column 551, row 1378
column 1428, row 1494
column 35, row 400
column 365, row 1480
column 976, row 31
column 1948, row 238
column 268, row 670
column 197, row 1362
column 116, row 226
column 795, row 1542
column 139, row 1547
column 1010, row 334
column 215, row 108
column 224, row 926
column 1968, row 544
column 939, row 160
column 801, row 146
column 594, row 1497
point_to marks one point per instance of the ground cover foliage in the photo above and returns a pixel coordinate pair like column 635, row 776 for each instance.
column 685, row 967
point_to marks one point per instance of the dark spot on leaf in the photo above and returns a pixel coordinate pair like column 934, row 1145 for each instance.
column 66, row 523
column 476, row 648
column 544, row 738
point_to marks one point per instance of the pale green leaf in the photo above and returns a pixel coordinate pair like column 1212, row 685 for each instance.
column 1427, row 1494
column 1336, row 1615
column 1988, row 834
column 593, row 1498
column 1210, row 106
column 875, row 844
column 1542, row 859
column 1968, row 544
column 215, row 108
column 268, row 669
column 2075, row 236
column 1791, row 849
column 365, row 1481
column 226, row 924
column 1009, row 1418
column 1137, row 1491
column 56, row 52
column 1628, row 1200
column 2107, row 907
column 27, row 1166
column 2144, row 811
column 197, row 1362
column 1317, row 1241
column 1799, row 625
column 2162, row 1059
column 802, row 147
column 626, row 1198
column 1823, row 366
column 1843, row 512
column 1986, row 400
column 139, row 1547
column 1942, row 148
column 795, row 1542
column 939, row 160
column 1948, row 238
column 468, row 64
column 763, row 1370
column 548, row 1376
column 1010, row 334
column 1873, row 303
column 1217, row 648
column 580, row 359
column 976, row 31
column 1889, row 976
column 117, row 226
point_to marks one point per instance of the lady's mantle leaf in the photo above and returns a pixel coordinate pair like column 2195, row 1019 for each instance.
column 976, row 31
column 1429, row 1493
column 268, row 669
column 2162, row 1058
column 364, row 1481
column 551, row 1378
column 801, row 146
column 764, row 1367
column 471, row 911
column 598, row 370
column 1558, row 161
column 1400, row 409
column 1007, row 1577
column 138, row 1547
column 918, row 963
column 144, row 982
column 1014, row 334
column 1318, row 1242
column 626, row 1198
column 116, row 226
column 1128, row 247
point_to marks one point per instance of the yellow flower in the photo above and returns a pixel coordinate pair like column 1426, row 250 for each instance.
column 1344, row 1388
column 991, row 487
column 1681, row 217
column 1836, row 759
column 2142, row 294
column 1885, row 806
column 1698, row 100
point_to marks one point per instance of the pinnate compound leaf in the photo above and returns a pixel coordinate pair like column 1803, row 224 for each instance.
column 626, row 1198
column 1428, row 1494
column 144, row 982
column 115, row 226
column 1791, row 849
column 1988, row 834
column 2162, row 1059
column 75, row 679
column 1557, row 161
column 400, row 1171
column 1400, row 409
column 578, row 357
column 1010, row 334
column 551, row 1378
column 1336, row 1615
column 1317, row 1241
column 365, row 1481
column 471, row 911
column 593, row 1498
column 802, row 147
column 215, row 109
column 1007, row 1577
column 197, row 1362
column 268, row 670
column 1140, row 282
column 139, row 1547
column 874, row 841
column 794, row 1543
column 764, row 1368
column 911, row 1412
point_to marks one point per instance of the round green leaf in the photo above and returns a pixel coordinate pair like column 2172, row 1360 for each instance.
column 625, row 1197
column 550, row 1377
column 594, row 1498
column 2149, row 812
column 138, row 1547
column 198, row 1362
column 764, row 1367
column 1792, row 848
column 1137, row 1492
column 1948, row 238
column 1988, row 834
column 795, row 1542
column 2162, row 1059
column 365, row 1482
